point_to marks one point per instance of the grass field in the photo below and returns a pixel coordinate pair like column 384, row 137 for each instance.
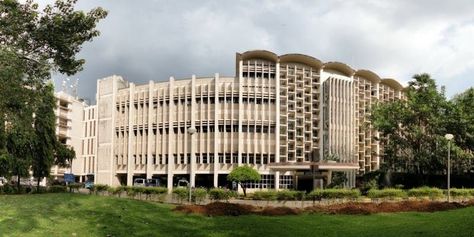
column 84, row 215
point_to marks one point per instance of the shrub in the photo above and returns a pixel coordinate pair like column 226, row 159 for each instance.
column 199, row 194
column 334, row 193
column 57, row 189
column 74, row 187
column 461, row 192
column 181, row 194
column 300, row 195
column 219, row 194
column 425, row 192
column 386, row 193
column 286, row 195
column 99, row 188
column 116, row 190
column 130, row 191
column 7, row 189
column 264, row 195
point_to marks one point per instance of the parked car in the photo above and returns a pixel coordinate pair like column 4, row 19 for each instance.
column 153, row 183
column 139, row 182
column 3, row 181
column 89, row 184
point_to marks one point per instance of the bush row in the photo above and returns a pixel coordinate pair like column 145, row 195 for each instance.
column 283, row 195
column 13, row 189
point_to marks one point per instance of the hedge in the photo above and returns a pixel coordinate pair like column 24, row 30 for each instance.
column 57, row 189
column 181, row 194
column 264, row 195
column 425, row 192
column 334, row 193
column 461, row 192
column 199, row 194
column 386, row 193
column 219, row 194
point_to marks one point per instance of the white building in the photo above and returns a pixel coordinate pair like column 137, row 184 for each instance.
column 286, row 116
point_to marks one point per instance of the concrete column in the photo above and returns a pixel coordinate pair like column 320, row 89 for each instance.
column 216, row 180
column 170, row 167
column 216, row 129
column 239, row 142
column 169, row 182
column 277, row 120
column 193, row 137
column 149, row 165
column 277, row 180
column 131, row 116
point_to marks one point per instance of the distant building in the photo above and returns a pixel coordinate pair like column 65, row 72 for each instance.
column 292, row 117
column 76, row 127
column 283, row 115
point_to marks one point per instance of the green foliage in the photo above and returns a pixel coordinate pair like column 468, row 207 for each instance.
column 425, row 192
column 461, row 192
column 338, row 180
column 242, row 175
column 74, row 187
column 199, row 194
column 219, row 194
column 412, row 130
column 265, row 195
column 64, row 155
column 45, row 140
column 386, row 193
column 7, row 189
column 334, row 193
column 287, row 195
column 100, row 188
column 57, row 189
column 33, row 44
column 181, row 194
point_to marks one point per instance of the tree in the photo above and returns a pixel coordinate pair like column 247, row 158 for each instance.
column 63, row 155
column 45, row 137
column 412, row 130
column 242, row 175
column 33, row 44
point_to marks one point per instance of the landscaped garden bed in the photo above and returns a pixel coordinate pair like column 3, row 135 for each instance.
column 235, row 209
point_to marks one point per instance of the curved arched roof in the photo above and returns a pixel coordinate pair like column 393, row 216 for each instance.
column 262, row 54
column 367, row 74
column 340, row 67
column 301, row 58
column 392, row 83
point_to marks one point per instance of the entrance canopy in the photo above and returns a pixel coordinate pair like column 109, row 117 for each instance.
column 333, row 166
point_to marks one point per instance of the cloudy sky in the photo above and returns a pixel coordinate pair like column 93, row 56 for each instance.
column 153, row 39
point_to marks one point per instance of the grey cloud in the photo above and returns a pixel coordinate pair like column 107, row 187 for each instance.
column 153, row 40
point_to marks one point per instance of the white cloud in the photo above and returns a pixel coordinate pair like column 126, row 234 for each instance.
column 152, row 40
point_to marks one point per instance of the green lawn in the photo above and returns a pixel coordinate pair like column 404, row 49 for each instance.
column 84, row 215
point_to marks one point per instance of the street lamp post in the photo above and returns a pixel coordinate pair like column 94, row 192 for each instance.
column 191, row 131
column 449, row 137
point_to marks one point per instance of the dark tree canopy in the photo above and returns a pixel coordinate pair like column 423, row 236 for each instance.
column 412, row 130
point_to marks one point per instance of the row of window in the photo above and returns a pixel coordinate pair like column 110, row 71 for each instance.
column 204, row 158
column 204, row 100
column 258, row 75
column 268, row 181
column 206, row 129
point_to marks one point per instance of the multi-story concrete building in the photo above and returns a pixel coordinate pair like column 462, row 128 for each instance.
column 75, row 127
column 292, row 117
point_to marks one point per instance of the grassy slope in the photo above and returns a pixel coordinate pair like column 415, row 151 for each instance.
column 83, row 215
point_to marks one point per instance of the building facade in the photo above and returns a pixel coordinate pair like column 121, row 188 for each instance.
column 76, row 127
column 292, row 117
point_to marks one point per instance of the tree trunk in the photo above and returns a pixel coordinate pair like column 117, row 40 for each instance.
column 244, row 189
column 38, row 185
column 18, row 180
